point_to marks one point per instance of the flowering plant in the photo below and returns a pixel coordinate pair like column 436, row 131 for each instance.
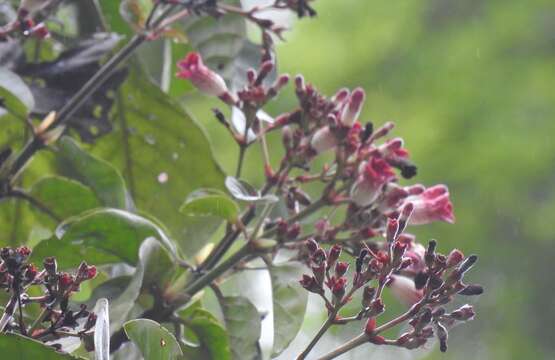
column 332, row 203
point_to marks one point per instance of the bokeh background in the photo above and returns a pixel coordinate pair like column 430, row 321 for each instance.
column 471, row 87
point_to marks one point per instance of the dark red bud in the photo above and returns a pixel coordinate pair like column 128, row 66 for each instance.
column 455, row 258
column 341, row 268
column 334, row 253
column 370, row 326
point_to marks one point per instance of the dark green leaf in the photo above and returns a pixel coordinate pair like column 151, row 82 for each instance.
column 100, row 236
column 98, row 174
column 289, row 301
column 63, row 196
column 243, row 325
column 161, row 151
column 15, row 346
column 15, row 96
column 154, row 341
column 212, row 337
column 112, row 17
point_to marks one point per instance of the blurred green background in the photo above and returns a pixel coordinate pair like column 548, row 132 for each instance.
column 471, row 87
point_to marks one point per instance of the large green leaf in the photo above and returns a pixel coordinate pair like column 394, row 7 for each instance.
column 98, row 174
column 64, row 197
column 101, row 236
column 154, row 341
column 18, row 347
column 212, row 337
column 289, row 302
column 212, row 204
column 15, row 96
column 161, row 151
column 243, row 325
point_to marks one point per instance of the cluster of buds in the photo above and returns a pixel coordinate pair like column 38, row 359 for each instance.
column 56, row 320
column 24, row 23
column 364, row 178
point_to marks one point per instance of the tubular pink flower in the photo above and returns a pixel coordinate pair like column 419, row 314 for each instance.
column 352, row 110
column 404, row 291
column 323, row 140
column 374, row 174
column 204, row 79
column 432, row 205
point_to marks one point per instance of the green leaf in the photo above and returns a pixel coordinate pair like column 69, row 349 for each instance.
column 96, row 173
column 150, row 253
column 241, row 190
column 102, row 236
column 102, row 330
column 16, row 346
column 112, row 17
column 63, row 196
column 15, row 96
column 161, row 151
column 289, row 302
column 135, row 12
column 212, row 337
column 210, row 203
column 154, row 341
column 243, row 325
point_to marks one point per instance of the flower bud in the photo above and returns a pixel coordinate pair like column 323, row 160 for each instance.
column 323, row 140
column 464, row 313
column 311, row 245
column 373, row 175
column 370, row 326
column 472, row 290
column 391, row 230
column 455, row 258
column 309, row 283
column 334, row 253
column 319, row 272
column 50, row 265
column 432, row 205
column 338, row 289
column 367, row 296
column 442, row 336
column 404, row 290
column 203, row 78
column 351, row 112
column 341, row 268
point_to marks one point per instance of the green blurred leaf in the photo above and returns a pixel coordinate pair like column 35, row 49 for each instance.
column 99, row 237
column 289, row 302
column 162, row 153
column 63, row 196
column 154, row 341
column 135, row 12
column 15, row 346
column 112, row 17
column 102, row 330
column 243, row 325
column 15, row 96
column 213, row 338
column 96, row 173
column 211, row 203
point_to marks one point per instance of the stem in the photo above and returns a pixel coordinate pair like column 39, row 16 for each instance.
column 242, row 151
column 349, row 345
column 34, row 202
column 327, row 324
column 207, row 278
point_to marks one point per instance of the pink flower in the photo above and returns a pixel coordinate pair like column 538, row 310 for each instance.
column 354, row 106
column 374, row 174
column 201, row 76
column 432, row 205
column 403, row 290
column 323, row 140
